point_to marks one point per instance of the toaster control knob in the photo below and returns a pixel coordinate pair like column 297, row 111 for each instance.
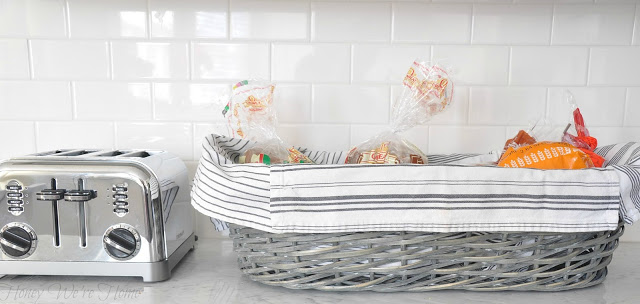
column 17, row 240
column 121, row 242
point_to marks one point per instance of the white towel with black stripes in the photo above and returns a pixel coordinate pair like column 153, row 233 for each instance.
column 442, row 197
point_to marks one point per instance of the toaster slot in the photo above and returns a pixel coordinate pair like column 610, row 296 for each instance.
column 140, row 154
column 112, row 153
column 75, row 153
column 50, row 153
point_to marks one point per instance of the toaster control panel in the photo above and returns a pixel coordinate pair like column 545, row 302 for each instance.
column 15, row 198
column 120, row 200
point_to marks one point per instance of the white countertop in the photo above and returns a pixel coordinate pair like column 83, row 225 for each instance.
column 210, row 275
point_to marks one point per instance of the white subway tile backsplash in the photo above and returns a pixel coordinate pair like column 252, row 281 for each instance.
column 506, row 105
column 615, row 135
column 505, row 24
column 459, row 139
column 34, row 18
column 21, row 135
column 615, row 66
column 112, row 101
column 385, row 63
column 272, row 20
column 293, row 103
column 361, row 133
column 188, row 18
column 632, row 110
column 311, row 62
column 190, row 101
column 145, row 60
column 593, row 24
column 94, row 135
column 231, row 62
column 540, row 65
column 107, row 19
column 14, row 59
column 475, row 64
column 30, row 100
column 600, row 107
column 433, row 23
column 146, row 135
column 69, row 59
column 350, row 104
column 318, row 137
column 340, row 21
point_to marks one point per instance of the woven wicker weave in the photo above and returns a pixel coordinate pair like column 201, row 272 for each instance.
column 419, row 261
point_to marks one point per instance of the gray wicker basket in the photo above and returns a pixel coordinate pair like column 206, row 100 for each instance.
column 420, row 261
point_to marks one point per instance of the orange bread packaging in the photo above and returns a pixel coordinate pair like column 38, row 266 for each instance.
column 546, row 155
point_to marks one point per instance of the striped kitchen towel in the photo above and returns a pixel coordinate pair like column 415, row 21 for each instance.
column 444, row 196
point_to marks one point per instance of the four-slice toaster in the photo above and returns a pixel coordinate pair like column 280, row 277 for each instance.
column 94, row 212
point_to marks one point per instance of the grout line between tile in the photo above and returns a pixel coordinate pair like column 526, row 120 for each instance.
column 30, row 59
column 148, row 20
column 36, row 135
column 152, row 98
column 351, row 59
column 586, row 81
column 312, row 98
column 472, row 24
column 510, row 66
column 634, row 32
column 393, row 18
column 110, row 58
column 309, row 22
column 553, row 21
column 74, row 100
column 626, row 107
column 67, row 21
column 228, row 21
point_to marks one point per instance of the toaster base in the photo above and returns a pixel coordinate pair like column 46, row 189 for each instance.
column 150, row 272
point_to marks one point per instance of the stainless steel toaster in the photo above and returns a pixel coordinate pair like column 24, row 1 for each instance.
column 95, row 212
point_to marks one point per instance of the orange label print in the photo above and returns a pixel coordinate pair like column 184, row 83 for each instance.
column 254, row 104
column 380, row 155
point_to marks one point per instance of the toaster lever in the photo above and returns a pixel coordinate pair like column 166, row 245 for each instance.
column 79, row 195
column 50, row 195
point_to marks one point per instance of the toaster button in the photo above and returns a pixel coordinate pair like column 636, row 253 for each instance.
column 118, row 210
column 120, row 196
column 119, row 189
column 14, row 194
column 16, row 209
column 14, row 187
column 15, row 202
column 121, row 203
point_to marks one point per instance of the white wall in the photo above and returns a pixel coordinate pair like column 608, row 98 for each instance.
column 149, row 74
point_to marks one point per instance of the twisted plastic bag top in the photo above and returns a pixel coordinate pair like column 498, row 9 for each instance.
column 427, row 90
column 251, row 116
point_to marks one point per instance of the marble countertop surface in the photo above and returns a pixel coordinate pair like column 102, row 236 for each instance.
column 209, row 274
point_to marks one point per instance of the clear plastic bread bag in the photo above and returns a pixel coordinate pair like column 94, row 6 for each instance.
column 427, row 90
column 251, row 116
